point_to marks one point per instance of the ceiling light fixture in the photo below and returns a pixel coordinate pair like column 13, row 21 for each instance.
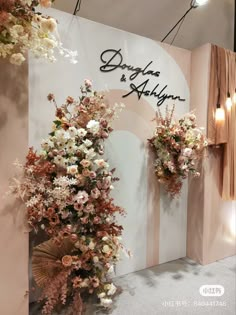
column 198, row 3
column 77, row 7
column 220, row 114
column 193, row 5
column 228, row 100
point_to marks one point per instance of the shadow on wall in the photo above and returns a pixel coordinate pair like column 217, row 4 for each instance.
column 196, row 216
column 14, row 143
column 13, row 88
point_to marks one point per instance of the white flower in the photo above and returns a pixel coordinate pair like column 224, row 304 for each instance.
column 83, row 148
column 26, row 2
column 110, row 270
column 91, row 245
column 101, row 163
column 61, row 145
column 62, row 135
column 90, row 154
column 87, row 143
column 64, row 181
column 59, row 160
column 73, row 159
column 47, row 144
column 81, row 132
column 93, row 126
column 17, row 59
column 48, row 25
column 106, row 249
column 73, row 169
column 16, row 31
column 111, row 289
column 85, row 283
column 96, row 260
column 187, row 152
column 42, row 226
column 105, row 238
column 71, row 147
column 106, row 302
column 72, row 131
column 32, row 201
column 49, row 43
column 101, row 295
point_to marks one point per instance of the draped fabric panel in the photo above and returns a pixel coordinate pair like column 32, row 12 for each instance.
column 229, row 161
column 217, row 132
column 222, row 80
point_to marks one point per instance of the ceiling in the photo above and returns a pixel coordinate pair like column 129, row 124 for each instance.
column 211, row 23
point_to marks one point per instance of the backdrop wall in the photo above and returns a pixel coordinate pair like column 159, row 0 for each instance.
column 155, row 228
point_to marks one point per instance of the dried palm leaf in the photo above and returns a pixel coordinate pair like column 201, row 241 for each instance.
column 46, row 260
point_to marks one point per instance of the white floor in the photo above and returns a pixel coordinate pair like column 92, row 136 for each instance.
column 173, row 288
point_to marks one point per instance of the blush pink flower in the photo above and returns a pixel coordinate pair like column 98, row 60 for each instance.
column 92, row 175
column 88, row 83
column 81, row 197
column 95, row 193
column 89, row 208
column 96, row 220
column 84, row 220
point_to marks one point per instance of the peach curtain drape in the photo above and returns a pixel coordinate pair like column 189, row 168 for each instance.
column 222, row 80
column 229, row 166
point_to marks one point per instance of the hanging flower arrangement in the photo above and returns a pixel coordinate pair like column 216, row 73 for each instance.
column 66, row 189
column 24, row 29
column 178, row 146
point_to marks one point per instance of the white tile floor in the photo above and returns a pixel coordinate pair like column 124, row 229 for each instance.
column 173, row 288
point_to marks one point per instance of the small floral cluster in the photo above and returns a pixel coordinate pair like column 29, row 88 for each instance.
column 66, row 188
column 178, row 146
column 24, row 29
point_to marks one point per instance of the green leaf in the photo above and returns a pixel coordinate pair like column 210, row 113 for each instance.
column 57, row 123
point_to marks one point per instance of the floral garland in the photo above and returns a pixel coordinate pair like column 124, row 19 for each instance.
column 178, row 146
column 23, row 29
column 66, row 189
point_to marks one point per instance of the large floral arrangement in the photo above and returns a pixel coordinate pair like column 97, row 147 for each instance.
column 66, row 189
column 178, row 146
column 22, row 28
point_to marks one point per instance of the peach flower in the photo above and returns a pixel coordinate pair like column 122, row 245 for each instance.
column 45, row 3
column 85, row 163
column 67, row 261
